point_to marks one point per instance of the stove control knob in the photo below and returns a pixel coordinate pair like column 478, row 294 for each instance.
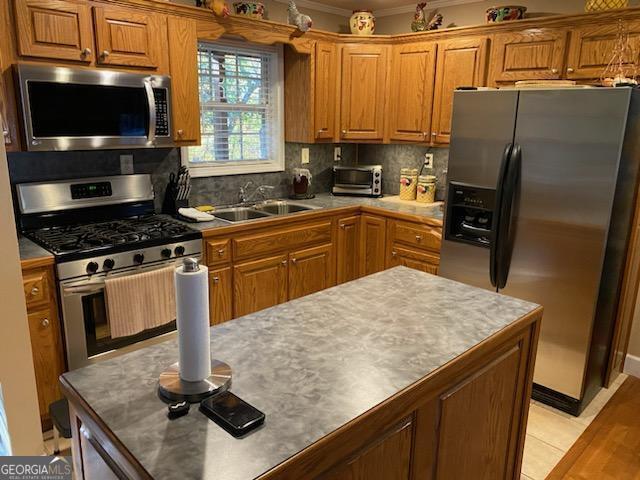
column 138, row 258
column 179, row 251
column 92, row 267
column 166, row 253
column 109, row 263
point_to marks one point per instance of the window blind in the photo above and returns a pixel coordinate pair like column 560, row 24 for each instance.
column 238, row 105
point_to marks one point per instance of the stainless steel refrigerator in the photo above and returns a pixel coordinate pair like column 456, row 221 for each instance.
column 540, row 199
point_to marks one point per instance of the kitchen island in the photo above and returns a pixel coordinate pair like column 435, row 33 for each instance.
column 400, row 374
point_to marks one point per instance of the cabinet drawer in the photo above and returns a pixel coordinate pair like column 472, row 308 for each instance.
column 424, row 237
column 278, row 240
column 36, row 288
column 416, row 259
column 218, row 251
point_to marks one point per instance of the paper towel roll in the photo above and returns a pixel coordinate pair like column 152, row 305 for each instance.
column 192, row 318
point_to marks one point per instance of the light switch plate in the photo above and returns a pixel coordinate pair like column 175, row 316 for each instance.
column 126, row 164
column 337, row 154
column 304, row 155
column 428, row 160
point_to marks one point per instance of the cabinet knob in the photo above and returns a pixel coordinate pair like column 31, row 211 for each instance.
column 104, row 54
column 180, row 132
column 216, row 279
column 343, row 226
column 45, row 322
column 344, row 132
column 7, row 135
column 418, row 238
column 433, row 134
column 86, row 52
column 294, row 260
column 35, row 290
column 221, row 252
column 284, row 262
column 554, row 70
column 394, row 254
column 570, row 70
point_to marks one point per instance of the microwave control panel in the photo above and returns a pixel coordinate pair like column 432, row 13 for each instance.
column 162, row 112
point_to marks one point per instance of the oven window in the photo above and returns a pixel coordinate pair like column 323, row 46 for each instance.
column 97, row 330
column 354, row 178
column 90, row 110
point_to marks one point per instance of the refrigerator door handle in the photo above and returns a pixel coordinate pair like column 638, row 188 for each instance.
column 497, row 210
column 509, row 207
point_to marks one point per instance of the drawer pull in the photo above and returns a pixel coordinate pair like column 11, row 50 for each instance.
column 554, row 70
column 216, row 279
column 418, row 238
column 284, row 262
column 221, row 252
column 45, row 322
column 294, row 260
column 394, row 253
column 343, row 226
column 570, row 70
column 35, row 290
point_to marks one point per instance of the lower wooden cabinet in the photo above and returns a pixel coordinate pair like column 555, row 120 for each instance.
column 347, row 242
column 310, row 271
column 220, row 295
column 411, row 258
column 372, row 244
column 259, row 284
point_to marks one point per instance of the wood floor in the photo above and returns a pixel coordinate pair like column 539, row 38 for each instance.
column 609, row 449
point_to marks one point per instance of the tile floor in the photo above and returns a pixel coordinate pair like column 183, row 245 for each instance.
column 550, row 433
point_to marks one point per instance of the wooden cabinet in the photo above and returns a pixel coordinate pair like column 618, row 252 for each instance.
column 220, row 295
column 347, row 242
column 413, row 245
column 461, row 63
column 591, row 48
column 363, row 91
column 534, row 54
column 259, row 284
column 372, row 244
column 46, row 336
column 183, row 62
column 413, row 69
column 412, row 258
column 130, row 38
column 310, row 271
column 55, row 29
column 324, row 92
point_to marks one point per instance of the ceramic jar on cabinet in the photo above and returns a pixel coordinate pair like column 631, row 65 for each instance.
column 362, row 22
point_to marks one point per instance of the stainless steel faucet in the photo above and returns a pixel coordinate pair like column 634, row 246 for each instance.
column 261, row 190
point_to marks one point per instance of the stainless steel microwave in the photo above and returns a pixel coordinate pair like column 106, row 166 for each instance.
column 359, row 180
column 75, row 109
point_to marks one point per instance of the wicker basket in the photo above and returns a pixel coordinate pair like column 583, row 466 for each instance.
column 599, row 5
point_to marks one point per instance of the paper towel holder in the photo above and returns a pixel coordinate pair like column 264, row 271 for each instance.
column 174, row 389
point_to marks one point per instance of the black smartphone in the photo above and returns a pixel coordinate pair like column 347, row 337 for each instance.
column 232, row 413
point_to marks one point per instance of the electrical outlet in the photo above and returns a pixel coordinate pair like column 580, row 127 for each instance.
column 304, row 155
column 337, row 154
column 428, row 160
column 126, row 164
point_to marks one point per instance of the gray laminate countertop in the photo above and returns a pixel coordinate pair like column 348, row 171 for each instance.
column 312, row 365
column 30, row 250
column 329, row 201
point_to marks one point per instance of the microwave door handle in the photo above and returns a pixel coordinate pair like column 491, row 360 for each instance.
column 151, row 101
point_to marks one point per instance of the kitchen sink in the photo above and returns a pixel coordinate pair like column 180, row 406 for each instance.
column 239, row 214
column 281, row 208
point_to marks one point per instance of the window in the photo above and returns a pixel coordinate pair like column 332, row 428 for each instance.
column 241, row 110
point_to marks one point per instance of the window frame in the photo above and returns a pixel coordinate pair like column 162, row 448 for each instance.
column 275, row 164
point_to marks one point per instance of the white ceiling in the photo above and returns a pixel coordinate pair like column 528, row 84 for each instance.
column 380, row 7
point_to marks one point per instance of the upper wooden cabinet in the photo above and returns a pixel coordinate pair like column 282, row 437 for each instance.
column 56, row 29
column 535, row 54
column 591, row 48
column 363, row 91
column 183, row 62
column 325, row 91
column 413, row 70
column 461, row 63
column 130, row 38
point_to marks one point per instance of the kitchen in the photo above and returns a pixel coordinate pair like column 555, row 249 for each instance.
column 101, row 198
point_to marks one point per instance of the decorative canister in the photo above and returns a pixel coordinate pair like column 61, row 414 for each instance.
column 408, row 183
column 249, row 9
column 362, row 22
column 426, row 189
column 599, row 5
column 505, row 13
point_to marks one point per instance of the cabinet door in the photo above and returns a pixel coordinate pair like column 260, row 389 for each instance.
column 57, row 29
column 220, row 295
column 183, row 64
column 46, row 349
column 363, row 92
column 372, row 244
column 425, row 262
column 411, row 99
column 348, row 239
column 536, row 54
column 591, row 49
column 260, row 284
column 129, row 38
column 325, row 91
column 461, row 63
column 311, row 270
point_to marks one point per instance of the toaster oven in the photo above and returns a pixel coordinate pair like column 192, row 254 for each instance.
column 358, row 180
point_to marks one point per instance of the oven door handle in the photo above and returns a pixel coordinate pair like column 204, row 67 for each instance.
column 83, row 289
column 151, row 101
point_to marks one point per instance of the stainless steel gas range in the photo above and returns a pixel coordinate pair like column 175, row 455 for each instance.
column 99, row 228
